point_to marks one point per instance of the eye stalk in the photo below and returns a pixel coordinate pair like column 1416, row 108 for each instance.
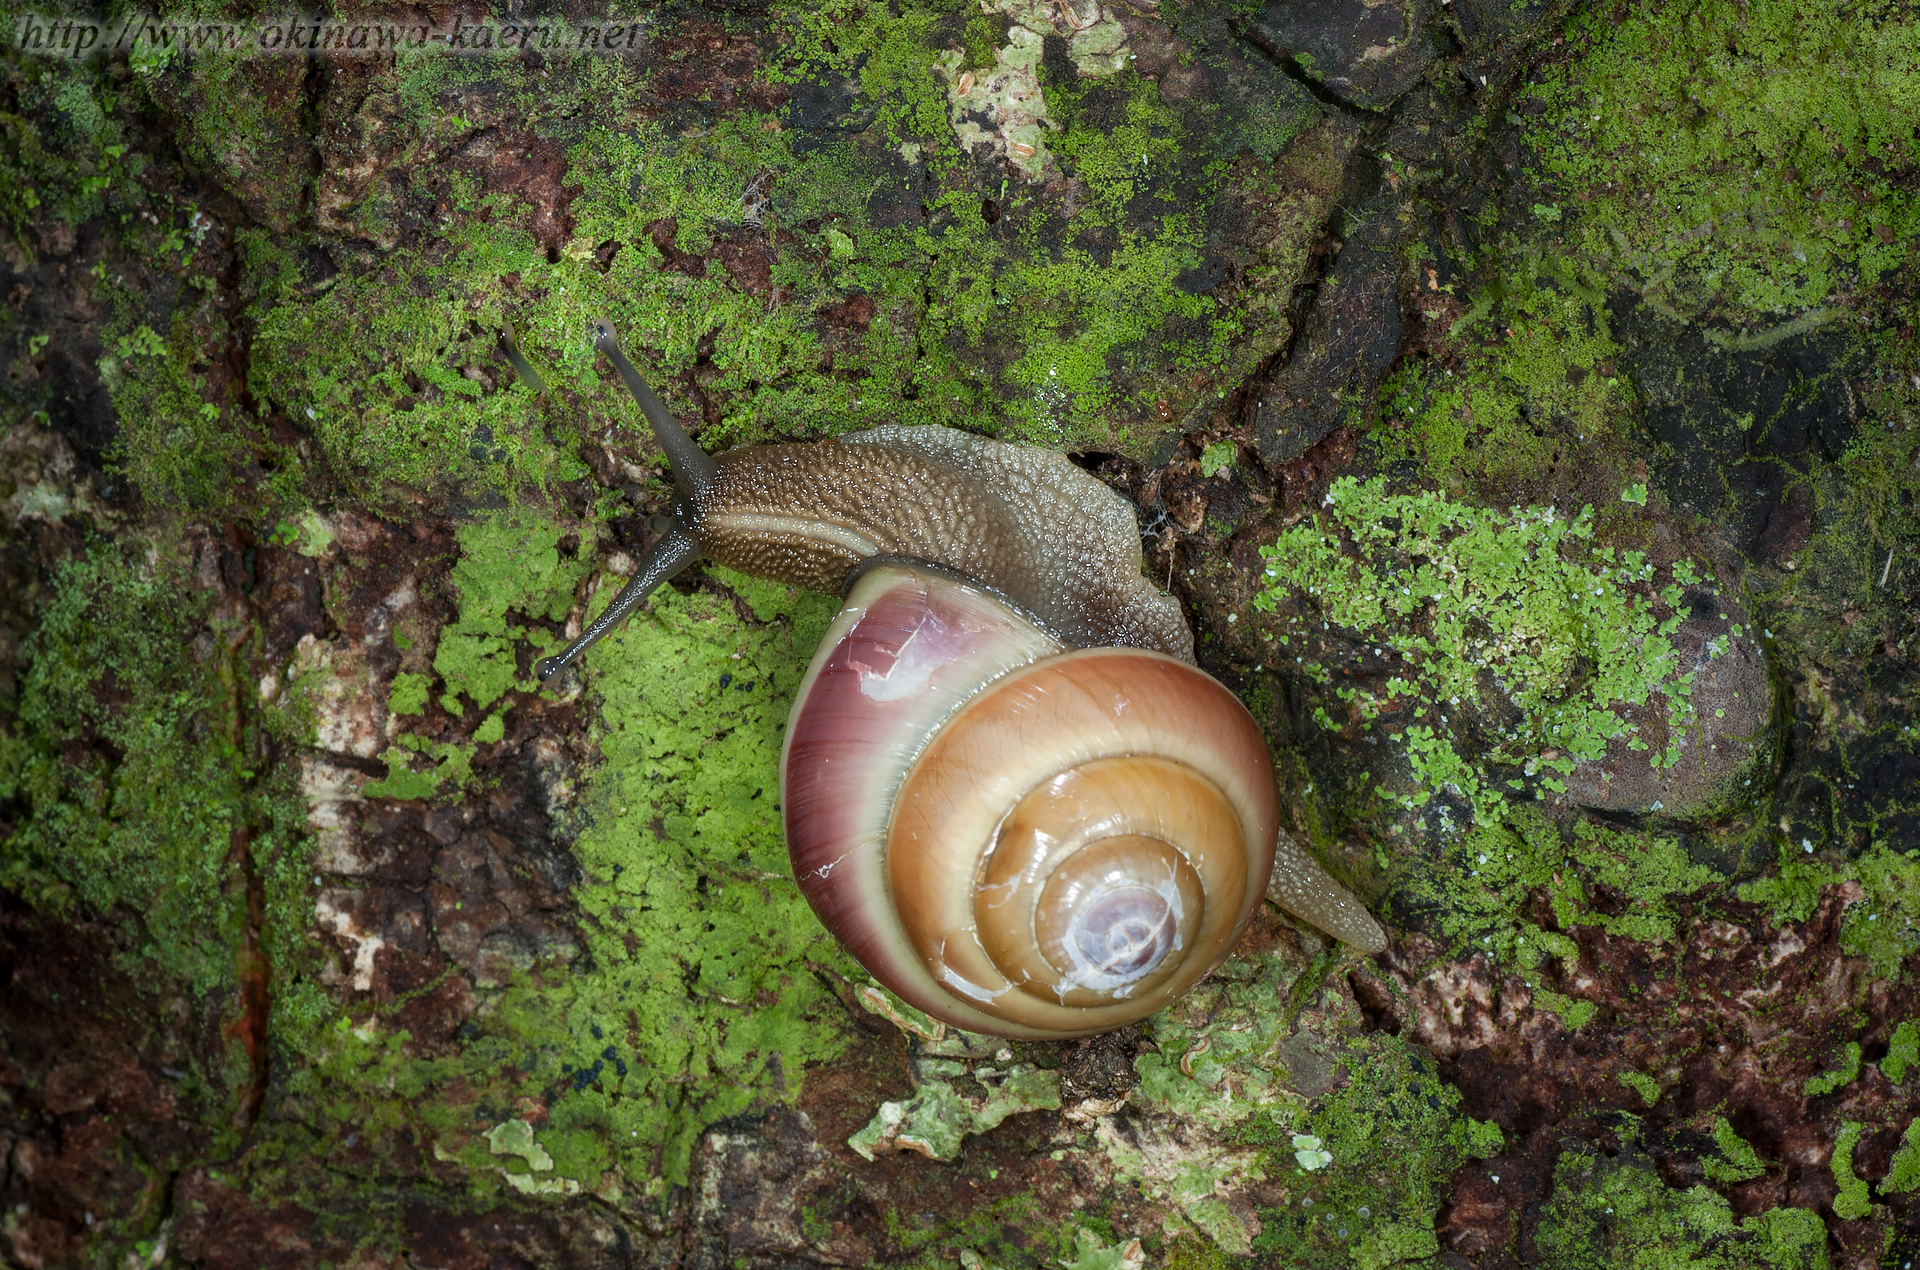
column 695, row 477
column 694, row 473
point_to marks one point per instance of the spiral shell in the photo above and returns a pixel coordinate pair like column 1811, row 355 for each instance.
column 1017, row 838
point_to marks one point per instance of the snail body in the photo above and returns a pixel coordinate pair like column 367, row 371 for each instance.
column 1024, row 521
column 1007, row 789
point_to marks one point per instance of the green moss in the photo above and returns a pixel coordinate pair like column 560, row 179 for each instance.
column 1852, row 1202
column 1042, row 330
column 387, row 369
column 1518, row 609
column 451, row 763
column 507, row 563
column 699, row 994
column 1217, row 458
column 1394, row 1133
column 1791, row 1238
column 1616, row 1214
column 126, row 759
column 1531, row 390
column 1845, row 1074
column 699, row 943
column 1067, row 331
column 1903, row 1171
column 1903, row 1051
column 408, row 694
column 1739, row 1162
column 1793, row 891
column 134, row 771
column 1475, row 896
column 177, row 437
column 1736, row 158
column 230, row 125
column 1647, row 1087
column 64, row 155
column 986, row 1234
column 1883, row 926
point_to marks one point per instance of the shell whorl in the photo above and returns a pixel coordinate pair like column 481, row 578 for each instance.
column 1015, row 837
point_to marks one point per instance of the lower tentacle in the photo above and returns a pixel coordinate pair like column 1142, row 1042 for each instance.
column 669, row 556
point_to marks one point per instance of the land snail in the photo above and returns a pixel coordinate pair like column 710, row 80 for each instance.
column 1007, row 789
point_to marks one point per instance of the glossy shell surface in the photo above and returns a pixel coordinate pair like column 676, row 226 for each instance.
column 1015, row 837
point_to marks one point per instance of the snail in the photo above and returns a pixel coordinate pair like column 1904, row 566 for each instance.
column 1007, row 789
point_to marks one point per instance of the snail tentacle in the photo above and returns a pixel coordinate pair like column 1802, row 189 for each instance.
column 694, row 471
column 669, row 556
column 695, row 477
column 510, row 349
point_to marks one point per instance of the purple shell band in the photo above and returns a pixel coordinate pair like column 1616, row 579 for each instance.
column 905, row 653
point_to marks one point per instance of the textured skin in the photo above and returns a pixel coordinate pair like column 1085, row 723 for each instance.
column 1299, row 885
column 1023, row 520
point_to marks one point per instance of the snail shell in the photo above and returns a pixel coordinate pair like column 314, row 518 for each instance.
column 1015, row 836
column 1007, row 788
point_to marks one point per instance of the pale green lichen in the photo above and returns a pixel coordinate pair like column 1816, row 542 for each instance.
column 1518, row 608
column 1009, row 97
column 1085, row 1250
column 516, row 1137
column 938, row 1118
column 1308, row 1152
